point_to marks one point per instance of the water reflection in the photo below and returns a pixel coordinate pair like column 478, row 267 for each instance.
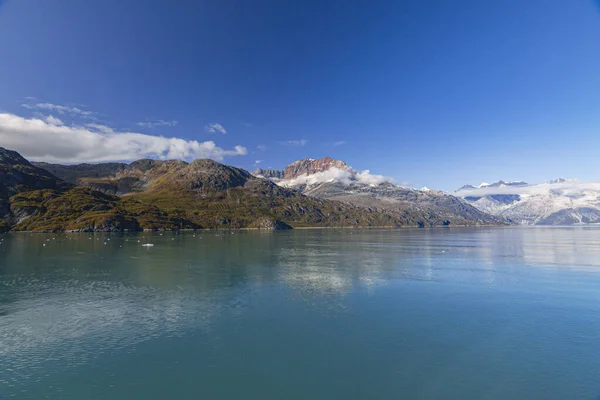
column 58, row 293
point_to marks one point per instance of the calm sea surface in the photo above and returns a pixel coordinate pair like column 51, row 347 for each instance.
column 461, row 313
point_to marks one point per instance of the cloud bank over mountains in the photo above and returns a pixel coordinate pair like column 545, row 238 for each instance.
column 334, row 174
column 49, row 139
column 566, row 187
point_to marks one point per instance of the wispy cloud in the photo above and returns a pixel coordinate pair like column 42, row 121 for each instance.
column 261, row 147
column 338, row 143
column 296, row 143
column 100, row 128
column 50, row 140
column 61, row 109
column 215, row 127
column 157, row 123
column 257, row 162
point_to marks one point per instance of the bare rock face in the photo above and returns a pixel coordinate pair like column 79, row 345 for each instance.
column 308, row 166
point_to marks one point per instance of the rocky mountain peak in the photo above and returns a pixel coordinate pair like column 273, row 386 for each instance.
column 306, row 166
column 17, row 175
column 511, row 183
column 558, row 180
column 206, row 174
column 10, row 157
column 309, row 166
column 498, row 184
column 466, row 187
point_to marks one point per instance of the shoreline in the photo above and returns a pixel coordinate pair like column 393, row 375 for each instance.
column 387, row 227
column 306, row 228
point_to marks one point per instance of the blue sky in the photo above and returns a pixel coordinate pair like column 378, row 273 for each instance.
column 435, row 93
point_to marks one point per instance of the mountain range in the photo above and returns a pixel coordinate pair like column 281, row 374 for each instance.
column 174, row 194
column 152, row 194
column 557, row 202
column 334, row 180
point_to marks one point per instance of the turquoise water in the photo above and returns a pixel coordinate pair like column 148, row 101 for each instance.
column 462, row 313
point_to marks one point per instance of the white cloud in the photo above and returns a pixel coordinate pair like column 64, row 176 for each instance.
column 40, row 140
column 51, row 120
column 73, row 111
column 371, row 179
column 335, row 174
column 339, row 143
column 257, row 162
column 159, row 122
column 297, row 143
column 261, row 147
column 215, row 128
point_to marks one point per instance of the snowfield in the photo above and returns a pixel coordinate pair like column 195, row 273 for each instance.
column 559, row 202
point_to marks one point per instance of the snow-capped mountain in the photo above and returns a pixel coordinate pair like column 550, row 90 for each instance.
column 558, row 202
column 335, row 180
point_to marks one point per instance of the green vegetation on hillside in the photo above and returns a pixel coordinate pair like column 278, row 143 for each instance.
column 85, row 209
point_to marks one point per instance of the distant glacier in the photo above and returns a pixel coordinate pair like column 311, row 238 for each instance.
column 557, row 202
